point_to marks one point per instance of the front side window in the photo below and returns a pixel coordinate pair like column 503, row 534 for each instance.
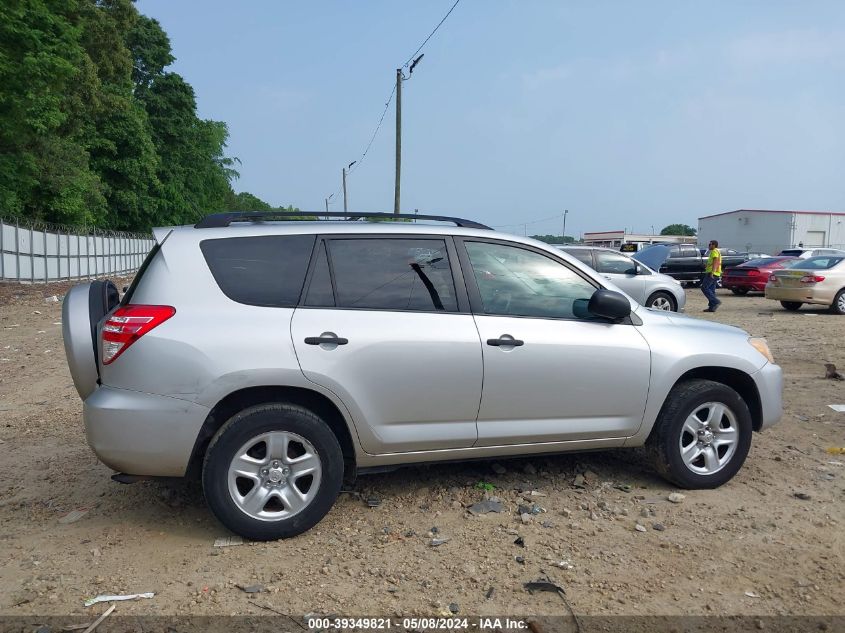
column 613, row 263
column 392, row 274
column 518, row 282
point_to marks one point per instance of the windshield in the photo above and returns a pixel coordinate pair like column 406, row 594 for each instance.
column 820, row 262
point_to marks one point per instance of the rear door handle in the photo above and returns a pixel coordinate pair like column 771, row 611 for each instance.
column 505, row 341
column 326, row 340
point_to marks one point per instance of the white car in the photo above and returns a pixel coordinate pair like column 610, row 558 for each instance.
column 807, row 253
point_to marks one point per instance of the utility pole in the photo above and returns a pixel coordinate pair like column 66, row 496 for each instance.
column 398, row 139
column 327, row 203
column 399, row 80
column 344, row 190
column 349, row 166
column 565, row 213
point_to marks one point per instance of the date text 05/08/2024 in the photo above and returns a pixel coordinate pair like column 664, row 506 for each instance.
column 416, row 623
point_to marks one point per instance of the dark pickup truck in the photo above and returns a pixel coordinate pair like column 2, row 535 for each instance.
column 686, row 263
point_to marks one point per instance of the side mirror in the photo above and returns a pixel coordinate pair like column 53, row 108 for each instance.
column 609, row 304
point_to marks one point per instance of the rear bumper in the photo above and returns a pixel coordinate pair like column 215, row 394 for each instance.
column 769, row 382
column 801, row 295
column 142, row 433
column 734, row 282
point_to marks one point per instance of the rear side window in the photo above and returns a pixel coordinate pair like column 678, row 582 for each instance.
column 822, row 262
column 392, row 274
column 261, row 271
column 581, row 254
column 613, row 263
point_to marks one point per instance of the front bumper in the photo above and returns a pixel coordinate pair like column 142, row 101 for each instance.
column 769, row 381
column 142, row 433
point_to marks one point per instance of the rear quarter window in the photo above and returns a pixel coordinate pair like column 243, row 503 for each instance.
column 264, row 271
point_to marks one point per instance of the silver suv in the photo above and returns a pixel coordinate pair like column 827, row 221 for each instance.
column 274, row 358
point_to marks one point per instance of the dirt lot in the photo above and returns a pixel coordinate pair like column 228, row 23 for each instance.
column 751, row 547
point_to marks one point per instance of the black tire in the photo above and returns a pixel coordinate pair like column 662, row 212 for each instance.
column 660, row 294
column 739, row 291
column 251, row 423
column 838, row 305
column 664, row 443
column 792, row 306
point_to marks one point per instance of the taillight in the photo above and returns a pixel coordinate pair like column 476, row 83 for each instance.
column 811, row 279
column 753, row 272
column 773, row 278
column 129, row 323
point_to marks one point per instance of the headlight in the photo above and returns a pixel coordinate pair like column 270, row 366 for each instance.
column 762, row 346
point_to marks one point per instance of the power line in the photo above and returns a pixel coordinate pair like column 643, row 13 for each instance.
column 375, row 132
column 393, row 91
column 411, row 58
column 548, row 219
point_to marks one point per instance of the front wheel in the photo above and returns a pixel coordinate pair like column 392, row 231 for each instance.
column 661, row 301
column 702, row 435
column 792, row 306
column 272, row 471
column 739, row 291
column 838, row 305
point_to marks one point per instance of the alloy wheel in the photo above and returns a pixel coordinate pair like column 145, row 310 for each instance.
column 709, row 438
column 274, row 476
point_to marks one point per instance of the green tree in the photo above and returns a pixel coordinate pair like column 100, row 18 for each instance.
column 677, row 229
column 245, row 201
column 45, row 78
column 150, row 50
column 93, row 129
column 554, row 239
column 120, row 145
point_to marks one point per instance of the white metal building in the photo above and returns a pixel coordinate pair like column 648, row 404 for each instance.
column 767, row 231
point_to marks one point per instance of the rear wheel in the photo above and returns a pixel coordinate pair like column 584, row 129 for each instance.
column 702, row 435
column 792, row 306
column 661, row 301
column 739, row 291
column 838, row 305
column 272, row 471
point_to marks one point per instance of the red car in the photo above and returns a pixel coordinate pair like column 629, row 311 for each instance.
column 753, row 274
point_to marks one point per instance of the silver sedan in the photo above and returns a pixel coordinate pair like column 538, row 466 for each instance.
column 643, row 284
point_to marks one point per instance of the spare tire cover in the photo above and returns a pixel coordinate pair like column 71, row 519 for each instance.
column 83, row 308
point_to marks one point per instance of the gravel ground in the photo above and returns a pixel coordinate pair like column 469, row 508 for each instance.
column 768, row 543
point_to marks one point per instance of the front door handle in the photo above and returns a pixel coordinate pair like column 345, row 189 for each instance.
column 505, row 341
column 326, row 340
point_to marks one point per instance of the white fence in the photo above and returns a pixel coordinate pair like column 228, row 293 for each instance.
column 31, row 254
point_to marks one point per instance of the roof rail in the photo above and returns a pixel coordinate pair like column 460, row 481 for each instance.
column 217, row 220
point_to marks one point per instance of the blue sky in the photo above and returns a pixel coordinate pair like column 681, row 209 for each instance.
column 628, row 114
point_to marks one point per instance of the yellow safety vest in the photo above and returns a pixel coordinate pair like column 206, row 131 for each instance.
column 714, row 263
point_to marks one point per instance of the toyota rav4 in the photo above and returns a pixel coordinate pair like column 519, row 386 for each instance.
column 272, row 358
